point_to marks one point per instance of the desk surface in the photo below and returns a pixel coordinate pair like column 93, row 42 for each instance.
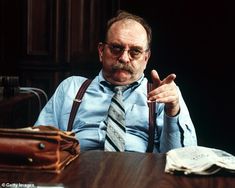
column 97, row 169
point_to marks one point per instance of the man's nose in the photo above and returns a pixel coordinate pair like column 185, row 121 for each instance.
column 125, row 57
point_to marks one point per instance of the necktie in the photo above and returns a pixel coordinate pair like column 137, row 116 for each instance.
column 115, row 122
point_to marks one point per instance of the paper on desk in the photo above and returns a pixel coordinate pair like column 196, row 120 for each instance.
column 199, row 160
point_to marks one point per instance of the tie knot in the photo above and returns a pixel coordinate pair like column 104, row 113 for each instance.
column 119, row 88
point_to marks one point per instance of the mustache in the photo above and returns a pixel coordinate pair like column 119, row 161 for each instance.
column 121, row 66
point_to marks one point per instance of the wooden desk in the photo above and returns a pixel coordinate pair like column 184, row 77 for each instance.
column 97, row 169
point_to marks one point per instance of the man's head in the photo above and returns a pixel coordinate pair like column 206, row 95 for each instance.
column 126, row 49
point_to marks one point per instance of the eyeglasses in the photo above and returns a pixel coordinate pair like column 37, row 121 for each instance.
column 117, row 50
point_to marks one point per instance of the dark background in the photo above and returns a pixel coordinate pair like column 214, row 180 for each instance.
column 195, row 40
column 45, row 41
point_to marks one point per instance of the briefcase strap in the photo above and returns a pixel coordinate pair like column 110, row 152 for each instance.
column 152, row 114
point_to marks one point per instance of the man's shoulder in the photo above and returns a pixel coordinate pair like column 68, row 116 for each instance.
column 71, row 83
column 78, row 80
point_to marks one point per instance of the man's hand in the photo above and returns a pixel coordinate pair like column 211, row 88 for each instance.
column 165, row 92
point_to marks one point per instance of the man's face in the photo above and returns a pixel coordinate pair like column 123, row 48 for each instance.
column 125, row 53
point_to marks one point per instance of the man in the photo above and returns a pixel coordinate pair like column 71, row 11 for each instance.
column 124, row 55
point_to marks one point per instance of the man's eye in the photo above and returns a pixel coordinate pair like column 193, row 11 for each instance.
column 135, row 51
column 117, row 48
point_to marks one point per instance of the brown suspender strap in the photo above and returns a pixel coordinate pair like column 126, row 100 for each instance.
column 76, row 103
column 152, row 116
column 152, row 121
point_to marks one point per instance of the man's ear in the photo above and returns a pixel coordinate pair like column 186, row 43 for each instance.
column 100, row 50
column 148, row 55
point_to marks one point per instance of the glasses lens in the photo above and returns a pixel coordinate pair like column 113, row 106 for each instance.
column 118, row 50
column 135, row 53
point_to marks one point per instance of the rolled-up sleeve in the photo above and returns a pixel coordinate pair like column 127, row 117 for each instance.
column 177, row 131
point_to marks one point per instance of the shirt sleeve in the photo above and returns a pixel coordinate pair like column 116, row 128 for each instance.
column 176, row 131
column 50, row 112
column 57, row 110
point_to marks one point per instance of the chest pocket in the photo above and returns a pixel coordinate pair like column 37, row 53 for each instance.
column 137, row 116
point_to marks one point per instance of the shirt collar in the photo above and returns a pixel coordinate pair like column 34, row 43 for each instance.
column 104, row 83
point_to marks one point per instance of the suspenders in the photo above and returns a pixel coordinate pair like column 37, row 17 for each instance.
column 152, row 120
column 152, row 116
column 76, row 102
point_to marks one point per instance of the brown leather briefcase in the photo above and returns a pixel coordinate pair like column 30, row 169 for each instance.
column 40, row 148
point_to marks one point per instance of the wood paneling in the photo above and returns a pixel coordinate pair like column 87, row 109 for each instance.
column 84, row 20
column 45, row 41
column 60, row 39
column 39, row 27
column 9, row 36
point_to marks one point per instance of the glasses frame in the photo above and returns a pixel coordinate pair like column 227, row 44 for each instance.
column 131, row 51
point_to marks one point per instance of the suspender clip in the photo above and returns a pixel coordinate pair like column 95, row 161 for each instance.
column 77, row 100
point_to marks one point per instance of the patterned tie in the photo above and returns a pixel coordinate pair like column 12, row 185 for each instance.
column 115, row 123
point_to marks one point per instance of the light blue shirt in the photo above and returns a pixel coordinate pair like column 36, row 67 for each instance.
column 171, row 132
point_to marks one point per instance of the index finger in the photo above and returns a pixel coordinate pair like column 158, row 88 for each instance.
column 155, row 79
column 170, row 78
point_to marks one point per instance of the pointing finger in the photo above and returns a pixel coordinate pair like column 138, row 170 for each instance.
column 155, row 78
column 169, row 79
